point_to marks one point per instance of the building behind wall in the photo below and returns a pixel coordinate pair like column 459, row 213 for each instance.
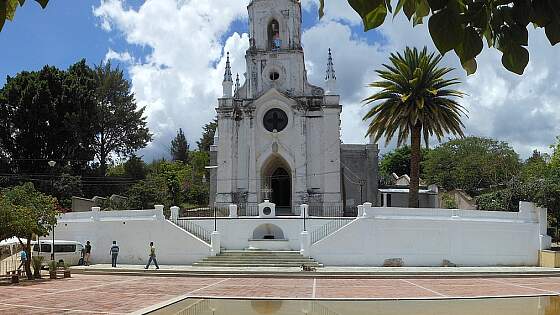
column 278, row 135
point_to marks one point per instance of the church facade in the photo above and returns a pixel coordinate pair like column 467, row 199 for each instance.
column 278, row 135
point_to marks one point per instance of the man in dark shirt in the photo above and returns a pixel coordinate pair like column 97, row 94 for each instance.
column 87, row 253
column 114, row 254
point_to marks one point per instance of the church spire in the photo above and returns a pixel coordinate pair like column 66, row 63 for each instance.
column 237, row 85
column 228, row 80
column 330, row 78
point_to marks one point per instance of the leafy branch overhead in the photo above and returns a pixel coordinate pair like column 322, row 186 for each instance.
column 8, row 9
column 462, row 25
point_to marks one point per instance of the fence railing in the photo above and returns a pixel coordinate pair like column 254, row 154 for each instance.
column 332, row 210
column 195, row 229
column 207, row 212
column 329, row 228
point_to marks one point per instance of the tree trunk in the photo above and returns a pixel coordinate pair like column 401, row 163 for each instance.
column 414, row 166
column 27, row 249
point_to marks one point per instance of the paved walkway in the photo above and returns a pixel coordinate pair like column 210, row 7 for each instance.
column 362, row 272
column 114, row 294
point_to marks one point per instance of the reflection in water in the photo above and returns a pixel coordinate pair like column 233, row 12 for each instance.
column 504, row 306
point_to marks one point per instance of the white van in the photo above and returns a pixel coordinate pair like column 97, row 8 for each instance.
column 69, row 252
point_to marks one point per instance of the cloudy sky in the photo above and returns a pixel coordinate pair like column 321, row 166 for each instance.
column 173, row 52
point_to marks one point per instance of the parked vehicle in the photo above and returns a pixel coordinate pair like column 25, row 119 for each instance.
column 70, row 252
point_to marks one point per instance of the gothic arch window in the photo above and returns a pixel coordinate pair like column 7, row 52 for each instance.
column 274, row 41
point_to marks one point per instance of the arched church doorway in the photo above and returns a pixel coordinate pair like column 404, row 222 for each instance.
column 281, row 185
column 277, row 184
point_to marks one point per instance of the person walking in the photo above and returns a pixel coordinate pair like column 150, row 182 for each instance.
column 114, row 254
column 23, row 258
column 152, row 256
column 87, row 253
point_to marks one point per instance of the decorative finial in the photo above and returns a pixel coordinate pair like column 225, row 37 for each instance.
column 331, row 74
column 227, row 74
column 237, row 85
column 330, row 78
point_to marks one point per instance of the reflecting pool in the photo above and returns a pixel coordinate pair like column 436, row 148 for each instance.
column 498, row 306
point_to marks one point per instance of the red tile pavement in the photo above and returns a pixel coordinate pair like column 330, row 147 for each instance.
column 95, row 294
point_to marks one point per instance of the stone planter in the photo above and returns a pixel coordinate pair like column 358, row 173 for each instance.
column 67, row 274
column 52, row 275
column 549, row 259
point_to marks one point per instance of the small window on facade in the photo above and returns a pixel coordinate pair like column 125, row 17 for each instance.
column 274, row 76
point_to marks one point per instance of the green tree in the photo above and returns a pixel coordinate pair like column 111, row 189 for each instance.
column 135, row 168
column 180, row 147
column 207, row 136
column 50, row 107
column 473, row 164
column 461, row 25
column 535, row 167
column 415, row 101
column 31, row 213
column 8, row 9
column 555, row 159
column 65, row 187
column 120, row 126
column 398, row 161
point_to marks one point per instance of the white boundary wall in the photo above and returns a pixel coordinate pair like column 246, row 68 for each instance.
column 421, row 237
column 133, row 230
column 425, row 237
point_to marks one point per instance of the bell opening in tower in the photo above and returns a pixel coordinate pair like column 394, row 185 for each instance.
column 274, row 41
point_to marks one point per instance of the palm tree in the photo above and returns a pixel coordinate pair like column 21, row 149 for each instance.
column 415, row 100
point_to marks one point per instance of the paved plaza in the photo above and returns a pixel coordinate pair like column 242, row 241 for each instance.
column 115, row 294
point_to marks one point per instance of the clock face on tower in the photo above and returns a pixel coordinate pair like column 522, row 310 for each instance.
column 275, row 120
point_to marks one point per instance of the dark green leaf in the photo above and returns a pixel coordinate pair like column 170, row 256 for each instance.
column 2, row 14
column 399, row 7
column 437, row 4
column 521, row 12
column 389, row 7
column 11, row 6
column 541, row 13
column 553, row 32
column 43, row 3
column 422, row 9
column 373, row 12
column 470, row 66
column 21, row 2
column 517, row 34
column 321, row 8
column 471, row 45
column 515, row 59
column 446, row 30
column 409, row 8
column 479, row 16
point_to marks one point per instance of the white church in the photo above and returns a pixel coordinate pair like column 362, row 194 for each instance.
column 278, row 135
column 279, row 140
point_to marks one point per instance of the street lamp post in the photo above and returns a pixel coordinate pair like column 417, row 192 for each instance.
column 52, row 164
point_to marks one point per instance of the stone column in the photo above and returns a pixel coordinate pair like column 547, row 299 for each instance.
column 95, row 213
column 368, row 210
column 159, row 212
column 304, row 210
column 215, row 242
column 305, row 240
column 360, row 211
column 174, row 214
column 233, row 211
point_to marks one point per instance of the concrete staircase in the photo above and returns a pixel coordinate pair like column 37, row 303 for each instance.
column 257, row 258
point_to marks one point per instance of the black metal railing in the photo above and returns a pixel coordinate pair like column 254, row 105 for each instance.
column 195, row 229
column 205, row 212
column 329, row 228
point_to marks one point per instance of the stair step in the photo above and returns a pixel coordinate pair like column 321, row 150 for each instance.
column 254, row 265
